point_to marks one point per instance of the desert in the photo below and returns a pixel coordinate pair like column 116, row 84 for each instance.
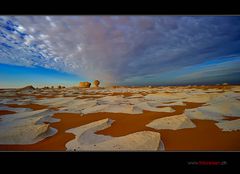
column 119, row 83
column 163, row 118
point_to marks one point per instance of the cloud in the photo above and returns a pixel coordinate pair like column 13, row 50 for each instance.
column 117, row 48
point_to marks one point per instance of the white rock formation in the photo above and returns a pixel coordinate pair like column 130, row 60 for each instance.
column 76, row 106
column 56, row 102
column 216, row 108
column 2, row 107
column 26, row 127
column 146, row 106
column 201, row 114
column 162, row 96
column 173, row 122
column 231, row 125
column 87, row 140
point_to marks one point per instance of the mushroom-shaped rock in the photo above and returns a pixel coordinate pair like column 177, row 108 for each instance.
column 84, row 84
column 96, row 83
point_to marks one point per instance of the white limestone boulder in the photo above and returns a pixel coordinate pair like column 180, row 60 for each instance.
column 26, row 127
column 146, row 106
column 87, row 140
column 173, row 122
column 232, row 125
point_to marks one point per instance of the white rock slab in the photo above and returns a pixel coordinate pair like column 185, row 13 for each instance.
column 225, row 109
column 56, row 102
column 95, row 109
column 162, row 96
column 135, row 96
column 2, row 107
column 7, row 100
column 146, row 106
column 157, row 103
column 85, row 134
column 123, row 108
column 201, row 114
column 199, row 98
column 87, row 140
column 113, row 108
column 111, row 100
column 76, row 106
column 25, row 127
column 8, row 93
column 231, row 125
column 173, row 122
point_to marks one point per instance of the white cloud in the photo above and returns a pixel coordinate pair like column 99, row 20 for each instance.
column 117, row 48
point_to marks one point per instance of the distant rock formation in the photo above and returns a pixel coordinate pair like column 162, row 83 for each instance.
column 30, row 87
column 84, row 84
column 225, row 84
column 96, row 83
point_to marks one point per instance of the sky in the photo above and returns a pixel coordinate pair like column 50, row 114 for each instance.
column 119, row 50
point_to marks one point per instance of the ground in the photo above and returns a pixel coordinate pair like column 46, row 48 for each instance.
column 41, row 119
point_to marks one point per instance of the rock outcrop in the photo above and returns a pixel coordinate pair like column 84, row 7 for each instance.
column 30, row 87
column 173, row 123
column 232, row 125
column 96, row 83
column 87, row 140
column 26, row 127
column 84, row 84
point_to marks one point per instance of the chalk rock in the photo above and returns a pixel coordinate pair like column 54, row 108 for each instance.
column 87, row 140
column 201, row 114
column 231, row 125
column 148, row 107
column 173, row 122
column 96, row 83
column 25, row 127
column 26, row 88
column 84, row 84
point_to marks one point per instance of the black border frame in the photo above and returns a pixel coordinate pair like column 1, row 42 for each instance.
column 122, row 162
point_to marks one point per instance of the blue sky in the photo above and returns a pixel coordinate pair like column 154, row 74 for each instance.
column 15, row 76
column 123, row 50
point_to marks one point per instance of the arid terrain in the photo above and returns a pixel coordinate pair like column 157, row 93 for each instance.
column 182, row 118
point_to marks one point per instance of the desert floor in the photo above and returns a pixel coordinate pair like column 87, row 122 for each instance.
column 183, row 118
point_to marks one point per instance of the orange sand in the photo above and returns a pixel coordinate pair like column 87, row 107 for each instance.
column 4, row 112
column 206, row 136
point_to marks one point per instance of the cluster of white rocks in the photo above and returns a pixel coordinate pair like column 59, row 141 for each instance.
column 28, row 127
column 87, row 140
